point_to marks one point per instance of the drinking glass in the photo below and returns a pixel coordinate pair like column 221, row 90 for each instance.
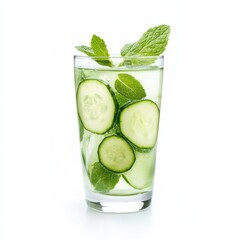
column 118, row 107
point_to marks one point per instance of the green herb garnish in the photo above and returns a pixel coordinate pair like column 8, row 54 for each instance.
column 152, row 43
column 103, row 179
column 98, row 49
column 129, row 87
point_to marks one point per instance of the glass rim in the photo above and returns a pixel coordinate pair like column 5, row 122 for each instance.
column 117, row 56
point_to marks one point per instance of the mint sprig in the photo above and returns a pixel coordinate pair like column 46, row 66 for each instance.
column 98, row 49
column 152, row 43
column 102, row 179
column 129, row 87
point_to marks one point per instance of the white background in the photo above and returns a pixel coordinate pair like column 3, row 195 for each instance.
column 197, row 186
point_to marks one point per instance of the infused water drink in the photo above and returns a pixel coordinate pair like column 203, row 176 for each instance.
column 118, row 108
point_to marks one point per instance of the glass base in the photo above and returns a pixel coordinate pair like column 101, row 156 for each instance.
column 119, row 204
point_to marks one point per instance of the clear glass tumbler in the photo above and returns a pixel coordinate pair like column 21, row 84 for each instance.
column 118, row 105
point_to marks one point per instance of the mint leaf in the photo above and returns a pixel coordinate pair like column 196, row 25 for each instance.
column 98, row 49
column 102, row 179
column 99, row 46
column 85, row 49
column 129, row 87
column 152, row 43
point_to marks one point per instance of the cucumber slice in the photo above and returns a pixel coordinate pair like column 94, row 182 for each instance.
column 116, row 154
column 139, row 123
column 96, row 106
column 141, row 175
